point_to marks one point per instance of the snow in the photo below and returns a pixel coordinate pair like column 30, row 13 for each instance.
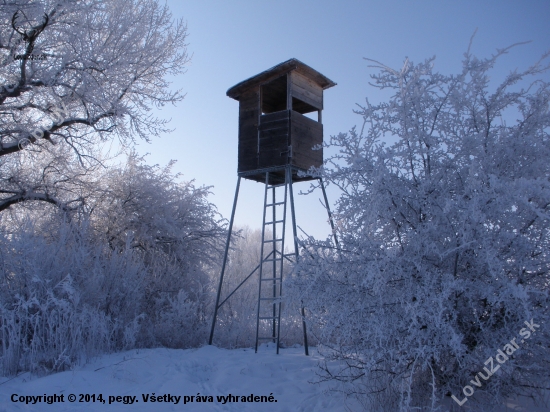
column 206, row 371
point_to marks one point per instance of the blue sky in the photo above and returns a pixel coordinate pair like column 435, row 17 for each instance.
column 233, row 40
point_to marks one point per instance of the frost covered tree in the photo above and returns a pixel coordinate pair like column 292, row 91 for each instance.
column 53, row 175
column 94, row 259
column 444, row 224
column 176, row 232
column 129, row 268
column 64, row 297
column 79, row 73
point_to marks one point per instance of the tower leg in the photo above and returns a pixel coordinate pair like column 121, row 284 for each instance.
column 271, row 257
column 224, row 261
column 295, row 235
column 329, row 213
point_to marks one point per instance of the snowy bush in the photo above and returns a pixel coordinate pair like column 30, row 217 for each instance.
column 444, row 224
column 176, row 233
column 63, row 299
column 94, row 259
column 128, row 269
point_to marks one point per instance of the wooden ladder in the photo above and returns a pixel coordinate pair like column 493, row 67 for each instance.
column 272, row 265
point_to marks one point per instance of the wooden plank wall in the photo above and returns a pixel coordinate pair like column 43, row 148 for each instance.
column 264, row 140
column 249, row 106
column 305, row 134
column 306, row 90
column 274, row 139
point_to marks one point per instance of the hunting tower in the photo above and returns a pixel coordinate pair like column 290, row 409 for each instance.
column 280, row 138
column 273, row 128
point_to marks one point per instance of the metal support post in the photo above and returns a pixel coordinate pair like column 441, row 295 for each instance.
column 329, row 214
column 224, row 260
column 295, row 235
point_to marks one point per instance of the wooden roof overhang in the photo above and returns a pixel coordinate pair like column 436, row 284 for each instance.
column 277, row 71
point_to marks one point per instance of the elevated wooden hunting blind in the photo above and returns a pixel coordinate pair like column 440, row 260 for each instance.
column 273, row 130
column 276, row 141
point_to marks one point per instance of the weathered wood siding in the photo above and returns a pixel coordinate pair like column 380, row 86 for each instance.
column 282, row 129
column 264, row 140
column 306, row 90
column 274, row 139
column 305, row 133
column 249, row 105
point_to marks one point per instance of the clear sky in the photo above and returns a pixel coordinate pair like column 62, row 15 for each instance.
column 233, row 40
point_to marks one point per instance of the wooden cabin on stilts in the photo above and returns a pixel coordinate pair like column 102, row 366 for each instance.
column 276, row 148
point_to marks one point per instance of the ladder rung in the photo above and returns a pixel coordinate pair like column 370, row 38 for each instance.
column 273, row 240
column 273, row 279
column 275, row 204
column 289, row 254
column 277, row 221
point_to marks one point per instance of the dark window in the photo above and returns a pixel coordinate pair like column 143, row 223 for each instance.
column 302, row 107
column 274, row 95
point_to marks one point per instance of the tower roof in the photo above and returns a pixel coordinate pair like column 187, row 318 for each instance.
column 276, row 71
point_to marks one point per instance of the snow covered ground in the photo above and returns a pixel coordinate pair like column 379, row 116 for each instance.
column 208, row 372
column 125, row 380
